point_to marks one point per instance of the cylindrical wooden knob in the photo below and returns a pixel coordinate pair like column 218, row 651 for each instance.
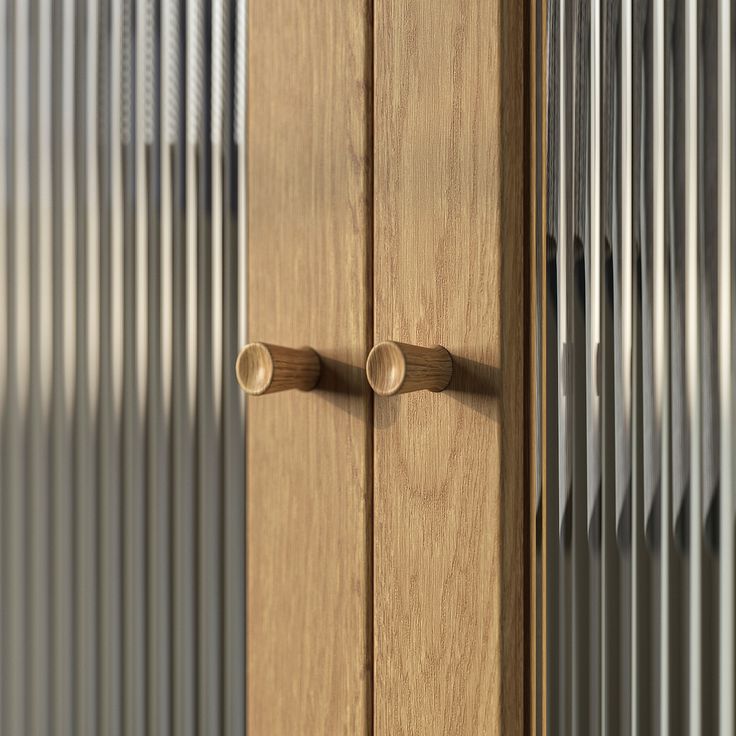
column 265, row 369
column 397, row 368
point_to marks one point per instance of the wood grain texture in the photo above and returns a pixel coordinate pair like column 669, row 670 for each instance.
column 397, row 368
column 449, row 254
column 309, row 645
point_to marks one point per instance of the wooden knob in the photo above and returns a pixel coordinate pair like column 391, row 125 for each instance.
column 266, row 369
column 397, row 368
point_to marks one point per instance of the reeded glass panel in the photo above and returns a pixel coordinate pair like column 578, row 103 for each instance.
column 122, row 293
column 634, row 510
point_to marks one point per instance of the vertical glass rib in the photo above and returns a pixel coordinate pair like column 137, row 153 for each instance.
column 41, row 364
column 625, row 480
column 615, row 494
column 661, row 383
column 111, row 598
column 585, row 560
column 563, row 264
column 234, row 401
column 169, row 86
column 241, row 40
column 692, row 364
column 594, row 311
column 727, row 612
column 4, row 348
column 64, row 328
column 88, row 332
column 549, row 264
column 565, row 360
column 185, row 656
column 678, row 428
column 538, row 613
column 18, row 384
column 706, row 185
column 158, row 476
column 134, row 356
column 627, row 250
column 209, row 379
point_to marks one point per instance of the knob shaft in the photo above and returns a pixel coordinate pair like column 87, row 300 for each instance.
column 262, row 368
column 397, row 368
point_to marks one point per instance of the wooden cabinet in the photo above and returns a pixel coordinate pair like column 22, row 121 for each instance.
column 386, row 536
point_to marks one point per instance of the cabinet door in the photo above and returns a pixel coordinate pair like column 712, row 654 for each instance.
column 450, row 491
column 309, row 453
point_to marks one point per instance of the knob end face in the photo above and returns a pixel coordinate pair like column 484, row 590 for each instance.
column 386, row 368
column 254, row 368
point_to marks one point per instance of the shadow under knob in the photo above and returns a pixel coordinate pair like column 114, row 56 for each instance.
column 397, row 368
column 262, row 368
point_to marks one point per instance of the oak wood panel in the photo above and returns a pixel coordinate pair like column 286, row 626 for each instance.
column 309, row 647
column 449, row 468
